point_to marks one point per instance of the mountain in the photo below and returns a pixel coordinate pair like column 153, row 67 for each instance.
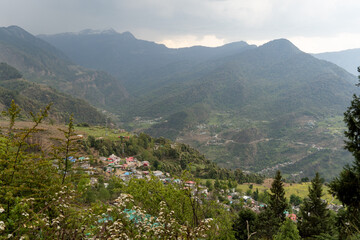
column 271, row 106
column 42, row 63
column 32, row 96
column 272, row 80
column 258, row 108
column 347, row 59
column 136, row 62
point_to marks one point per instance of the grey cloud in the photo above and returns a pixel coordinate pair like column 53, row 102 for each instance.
column 159, row 19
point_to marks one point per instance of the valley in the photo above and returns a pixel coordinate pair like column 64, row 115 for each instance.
column 259, row 109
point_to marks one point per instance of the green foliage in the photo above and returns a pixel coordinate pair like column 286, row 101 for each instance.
column 346, row 187
column 244, row 224
column 288, row 231
column 68, row 149
column 315, row 217
column 278, row 203
column 167, row 156
column 39, row 201
column 295, row 200
column 273, row 216
column 32, row 96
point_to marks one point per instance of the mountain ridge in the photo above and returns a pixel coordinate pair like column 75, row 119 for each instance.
column 348, row 59
column 43, row 63
column 214, row 97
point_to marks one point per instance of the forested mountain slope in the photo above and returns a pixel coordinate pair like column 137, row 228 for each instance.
column 42, row 63
column 243, row 106
column 32, row 96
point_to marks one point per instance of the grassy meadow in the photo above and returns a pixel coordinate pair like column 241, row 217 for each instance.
column 299, row 189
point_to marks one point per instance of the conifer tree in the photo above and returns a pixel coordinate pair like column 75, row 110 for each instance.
column 346, row 187
column 271, row 219
column 315, row 217
column 278, row 202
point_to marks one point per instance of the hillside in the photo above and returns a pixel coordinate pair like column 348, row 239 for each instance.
column 260, row 108
column 347, row 59
column 42, row 63
column 32, row 96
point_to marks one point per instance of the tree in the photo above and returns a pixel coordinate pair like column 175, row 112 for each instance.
column 209, row 185
column 295, row 200
column 255, row 194
column 244, row 224
column 315, row 217
column 288, row 231
column 346, row 187
column 67, row 150
column 278, row 202
column 217, row 184
column 273, row 216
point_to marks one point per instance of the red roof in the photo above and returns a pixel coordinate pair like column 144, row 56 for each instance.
column 130, row 159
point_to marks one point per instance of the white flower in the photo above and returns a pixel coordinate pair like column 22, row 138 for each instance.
column 2, row 226
column 25, row 214
column 2, row 210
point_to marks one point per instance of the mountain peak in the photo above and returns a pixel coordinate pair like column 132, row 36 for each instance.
column 281, row 44
column 15, row 31
column 128, row 35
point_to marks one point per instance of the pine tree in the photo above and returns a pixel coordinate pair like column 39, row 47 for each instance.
column 346, row 187
column 271, row 219
column 278, row 202
column 315, row 218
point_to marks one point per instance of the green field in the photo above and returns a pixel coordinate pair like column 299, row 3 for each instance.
column 99, row 131
column 299, row 189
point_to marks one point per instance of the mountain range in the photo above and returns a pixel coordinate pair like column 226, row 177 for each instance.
column 258, row 108
column 40, row 62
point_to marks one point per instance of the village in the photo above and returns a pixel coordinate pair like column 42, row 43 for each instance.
column 130, row 167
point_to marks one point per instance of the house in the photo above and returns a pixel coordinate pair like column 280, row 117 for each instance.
column 145, row 164
column 292, row 217
column 85, row 166
column 246, row 198
column 124, row 166
column 130, row 159
column 190, row 183
column 158, row 174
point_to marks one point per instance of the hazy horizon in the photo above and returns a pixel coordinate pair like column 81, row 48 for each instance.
column 320, row 26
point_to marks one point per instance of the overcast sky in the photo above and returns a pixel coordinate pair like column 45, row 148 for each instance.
column 312, row 25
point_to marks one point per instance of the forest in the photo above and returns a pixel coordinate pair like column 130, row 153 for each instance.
column 46, row 196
